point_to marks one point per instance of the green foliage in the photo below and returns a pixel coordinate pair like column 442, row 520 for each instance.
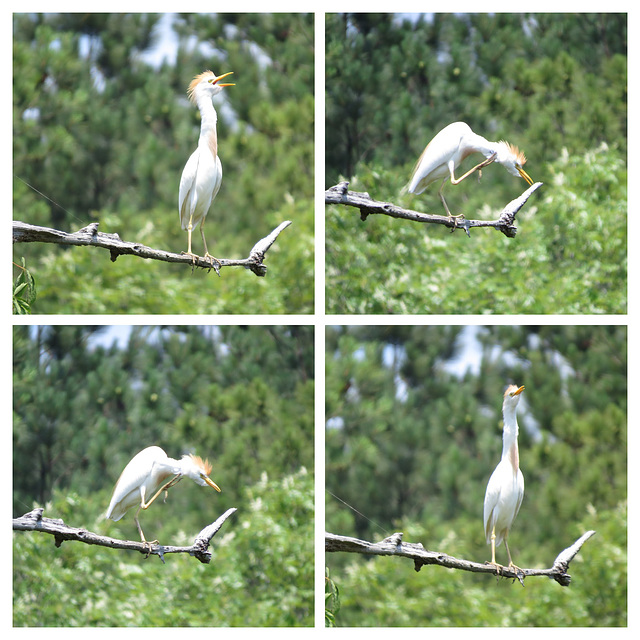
column 103, row 136
column 261, row 573
column 575, row 225
column 332, row 600
column 392, row 81
column 555, row 85
column 241, row 396
column 24, row 291
column 82, row 410
column 411, row 443
column 386, row 592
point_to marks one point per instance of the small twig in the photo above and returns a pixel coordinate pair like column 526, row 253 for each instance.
column 33, row 521
column 393, row 546
column 90, row 236
column 340, row 194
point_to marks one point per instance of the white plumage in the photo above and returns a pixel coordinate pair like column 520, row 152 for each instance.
column 148, row 474
column 202, row 175
column 506, row 486
column 446, row 152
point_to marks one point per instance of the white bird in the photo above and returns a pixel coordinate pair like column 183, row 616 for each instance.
column 143, row 480
column 444, row 154
column 506, row 486
column 202, row 175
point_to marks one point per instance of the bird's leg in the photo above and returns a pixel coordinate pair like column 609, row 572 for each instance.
column 207, row 255
column 145, row 505
column 446, row 208
column 146, row 542
column 188, row 251
column 484, row 163
column 512, row 566
column 164, row 487
column 498, row 567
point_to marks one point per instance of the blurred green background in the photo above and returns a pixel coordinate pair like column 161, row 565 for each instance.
column 85, row 404
column 102, row 128
column 413, row 433
column 555, row 85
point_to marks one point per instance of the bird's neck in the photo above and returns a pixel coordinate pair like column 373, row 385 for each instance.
column 510, row 439
column 208, row 121
column 484, row 146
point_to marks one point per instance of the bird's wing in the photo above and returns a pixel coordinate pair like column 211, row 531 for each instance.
column 433, row 163
column 491, row 498
column 187, row 186
column 218, row 182
column 150, row 462
column 520, row 492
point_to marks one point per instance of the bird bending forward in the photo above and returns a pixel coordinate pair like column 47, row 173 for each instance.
column 202, row 175
column 506, row 486
column 147, row 475
column 444, row 154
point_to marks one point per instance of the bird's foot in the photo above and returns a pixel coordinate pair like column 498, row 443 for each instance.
column 518, row 571
column 193, row 257
column 455, row 220
column 498, row 567
column 149, row 544
column 214, row 262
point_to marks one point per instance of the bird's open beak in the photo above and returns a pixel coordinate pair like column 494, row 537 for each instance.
column 224, row 84
column 213, row 485
column 525, row 175
column 521, row 389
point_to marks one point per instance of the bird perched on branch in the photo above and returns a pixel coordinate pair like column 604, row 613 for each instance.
column 506, row 486
column 202, row 175
column 444, row 154
column 145, row 478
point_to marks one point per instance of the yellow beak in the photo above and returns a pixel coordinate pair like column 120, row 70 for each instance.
column 213, row 485
column 224, row 84
column 525, row 175
column 521, row 389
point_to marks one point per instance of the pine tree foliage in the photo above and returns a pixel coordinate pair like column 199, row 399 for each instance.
column 412, row 438
column 85, row 405
column 103, row 134
column 555, row 85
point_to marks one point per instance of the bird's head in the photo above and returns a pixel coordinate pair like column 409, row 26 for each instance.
column 513, row 160
column 207, row 84
column 512, row 395
column 198, row 470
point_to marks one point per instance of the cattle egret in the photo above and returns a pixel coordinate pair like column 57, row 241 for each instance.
column 444, row 154
column 506, row 485
column 145, row 476
column 202, row 175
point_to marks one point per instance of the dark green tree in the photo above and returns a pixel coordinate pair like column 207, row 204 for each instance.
column 412, row 438
column 102, row 135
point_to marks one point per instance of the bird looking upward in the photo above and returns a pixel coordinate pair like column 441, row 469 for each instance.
column 145, row 476
column 444, row 154
column 506, row 485
column 202, row 175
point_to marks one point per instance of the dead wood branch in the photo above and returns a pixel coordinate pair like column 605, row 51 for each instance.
column 90, row 236
column 33, row 521
column 340, row 194
column 393, row 546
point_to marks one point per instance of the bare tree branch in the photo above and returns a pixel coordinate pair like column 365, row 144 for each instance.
column 393, row 546
column 33, row 521
column 90, row 236
column 340, row 194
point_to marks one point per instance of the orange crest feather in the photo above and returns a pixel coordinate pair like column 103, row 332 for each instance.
column 191, row 91
column 520, row 157
column 205, row 465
